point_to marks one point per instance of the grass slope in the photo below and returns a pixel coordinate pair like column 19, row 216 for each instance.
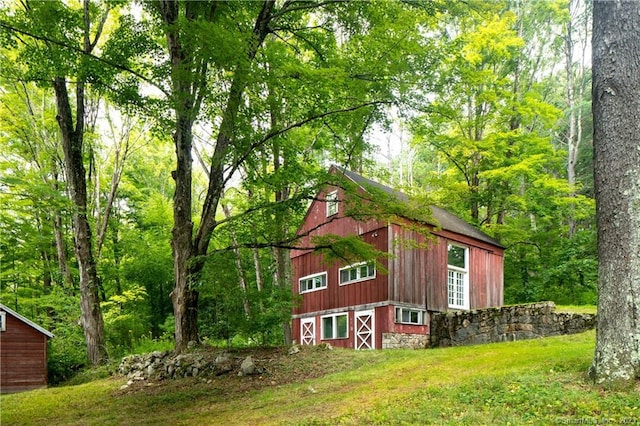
column 528, row 382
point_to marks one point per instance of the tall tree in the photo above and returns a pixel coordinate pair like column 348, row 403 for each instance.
column 616, row 118
column 63, row 57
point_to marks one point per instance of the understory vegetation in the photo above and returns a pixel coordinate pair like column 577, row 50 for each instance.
column 539, row 381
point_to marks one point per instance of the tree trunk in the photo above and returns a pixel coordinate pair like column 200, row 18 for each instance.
column 72, row 140
column 183, row 296
column 616, row 118
column 61, row 252
column 189, row 77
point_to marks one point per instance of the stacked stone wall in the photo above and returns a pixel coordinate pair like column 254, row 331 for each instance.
column 404, row 341
column 505, row 323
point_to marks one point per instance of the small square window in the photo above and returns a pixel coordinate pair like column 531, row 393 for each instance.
column 410, row 316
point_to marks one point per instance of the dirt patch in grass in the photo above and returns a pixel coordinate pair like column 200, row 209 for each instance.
column 278, row 366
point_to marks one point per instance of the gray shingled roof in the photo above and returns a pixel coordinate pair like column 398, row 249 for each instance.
column 445, row 220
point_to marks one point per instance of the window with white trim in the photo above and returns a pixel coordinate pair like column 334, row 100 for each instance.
column 357, row 272
column 332, row 203
column 3, row 321
column 335, row 327
column 458, row 277
column 313, row 282
column 410, row 316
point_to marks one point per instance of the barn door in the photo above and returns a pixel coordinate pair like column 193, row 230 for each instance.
column 365, row 330
column 308, row 331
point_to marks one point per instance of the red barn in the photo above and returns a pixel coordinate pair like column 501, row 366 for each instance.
column 436, row 265
column 23, row 352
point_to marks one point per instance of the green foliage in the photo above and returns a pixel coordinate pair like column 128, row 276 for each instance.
column 126, row 319
column 487, row 150
column 222, row 316
column 59, row 313
column 148, row 344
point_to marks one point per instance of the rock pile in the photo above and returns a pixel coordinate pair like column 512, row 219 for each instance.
column 164, row 365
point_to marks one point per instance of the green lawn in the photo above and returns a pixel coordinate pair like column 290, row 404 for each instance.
column 578, row 309
column 527, row 382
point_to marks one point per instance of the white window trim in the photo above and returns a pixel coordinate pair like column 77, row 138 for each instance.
column 331, row 200
column 359, row 279
column 3, row 321
column 422, row 313
column 313, row 276
column 465, row 276
column 335, row 326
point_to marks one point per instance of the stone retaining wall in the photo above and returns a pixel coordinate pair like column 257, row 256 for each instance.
column 505, row 324
column 404, row 341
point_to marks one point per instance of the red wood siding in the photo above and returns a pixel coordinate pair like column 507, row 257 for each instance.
column 418, row 275
column 408, row 267
column 23, row 357
column 384, row 322
column 485, row 279
column 335, row 295
column 317, row 223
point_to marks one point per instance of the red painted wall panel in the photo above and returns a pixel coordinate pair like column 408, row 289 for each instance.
column 23, row 357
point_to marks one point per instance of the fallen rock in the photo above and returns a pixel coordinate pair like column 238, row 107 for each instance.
column 248, row 367
column 294, row 350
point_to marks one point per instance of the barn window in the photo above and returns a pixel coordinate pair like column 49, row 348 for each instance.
column 313, row 282
column 335, row 327
column 3, row 321
column 458, row 277
column 332, row 203
column 410, row 316
column 357, row 272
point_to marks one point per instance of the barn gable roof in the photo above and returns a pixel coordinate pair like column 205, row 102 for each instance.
column 445, row 220
column 25, row 320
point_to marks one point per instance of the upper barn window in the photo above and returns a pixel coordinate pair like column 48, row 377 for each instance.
column 332, row 203
column 358, row 272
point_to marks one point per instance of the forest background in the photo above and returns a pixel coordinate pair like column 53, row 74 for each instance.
column 219, row 121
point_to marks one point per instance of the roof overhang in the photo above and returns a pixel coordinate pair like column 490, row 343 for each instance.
column 25, row 320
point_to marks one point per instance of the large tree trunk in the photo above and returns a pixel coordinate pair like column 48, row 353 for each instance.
column 72, row 140
column 189, row 77
column 616, row 118
column 183, row 296
column 61, row 252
